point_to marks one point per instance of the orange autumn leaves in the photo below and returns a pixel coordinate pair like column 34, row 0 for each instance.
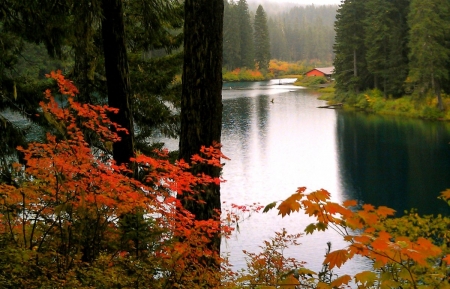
column 363, row 228
column 70, row 202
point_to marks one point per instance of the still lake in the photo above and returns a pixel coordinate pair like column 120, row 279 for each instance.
column 278, row 140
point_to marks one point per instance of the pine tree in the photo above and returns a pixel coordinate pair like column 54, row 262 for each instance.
column 262, row 39
column 378, row 25
column 278, row 41
column 429, row 23
column 231, row 36
column 151, row 26
column 350, row 67
column 385, row 40
column 398, row 52
column 246, row 33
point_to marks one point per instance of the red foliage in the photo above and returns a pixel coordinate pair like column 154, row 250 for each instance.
column 71, row 201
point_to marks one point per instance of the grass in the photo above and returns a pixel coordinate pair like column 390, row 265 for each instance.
column 409, row 106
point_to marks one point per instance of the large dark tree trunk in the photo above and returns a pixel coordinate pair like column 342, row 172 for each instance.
column 117, row 78
column 201, row 105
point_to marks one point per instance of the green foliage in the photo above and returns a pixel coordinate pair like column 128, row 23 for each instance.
column 247, row 55
column 302, row 33
column 271, row 267
column 351, row 72
column 231, row 37
column 311, row 81
column 408, row 106
column 261, row 39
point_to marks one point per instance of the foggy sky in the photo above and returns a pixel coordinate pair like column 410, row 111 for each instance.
column 307, row 2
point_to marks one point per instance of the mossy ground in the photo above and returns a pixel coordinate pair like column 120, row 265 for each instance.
column 409, row 105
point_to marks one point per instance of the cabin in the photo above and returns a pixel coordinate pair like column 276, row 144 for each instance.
column 321, row 71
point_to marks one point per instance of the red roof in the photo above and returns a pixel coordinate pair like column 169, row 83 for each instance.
column 324, row 70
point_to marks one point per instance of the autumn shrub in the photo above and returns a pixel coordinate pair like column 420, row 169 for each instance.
column 74, row 219
column 408, row 106
column 311, row 81
column 406, row 252
column 243, row 74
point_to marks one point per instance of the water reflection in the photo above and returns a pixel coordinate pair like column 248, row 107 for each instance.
column 401, row 163
column 276, row 147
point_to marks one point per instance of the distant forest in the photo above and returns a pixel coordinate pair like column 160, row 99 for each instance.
column 296, row 33
column 399, row 47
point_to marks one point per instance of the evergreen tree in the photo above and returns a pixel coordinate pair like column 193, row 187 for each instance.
column 152, row 26
column 351, row 72
column 231, row 36
column 262, row 39
column 429, row 21
column 386, row 44
column 378, row 25
column 278, row 41
column 398, row 52
column 246, row 33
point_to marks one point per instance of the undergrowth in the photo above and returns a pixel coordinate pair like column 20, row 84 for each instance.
column 409, row 105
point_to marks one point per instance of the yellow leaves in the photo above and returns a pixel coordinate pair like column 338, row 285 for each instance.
column 336, row 258
column 289, row 282
column 305, row 271
column 366, row 278
column 344, row 279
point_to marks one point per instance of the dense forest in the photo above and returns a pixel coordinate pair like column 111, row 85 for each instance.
column 398, row 47
column 296, row 33
column 86, row 201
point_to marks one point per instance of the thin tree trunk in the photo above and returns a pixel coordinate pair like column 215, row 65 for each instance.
column 437, row 86
column 355, row 71
column 117, row 78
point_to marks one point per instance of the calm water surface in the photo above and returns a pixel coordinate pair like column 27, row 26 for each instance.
column 279, row 140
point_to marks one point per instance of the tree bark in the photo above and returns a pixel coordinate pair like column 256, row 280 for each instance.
column 440, row 103
column 201, row 104
column 117, row 77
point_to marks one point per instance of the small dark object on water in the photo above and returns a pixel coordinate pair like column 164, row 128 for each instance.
column 332, row 106
column 271, row 100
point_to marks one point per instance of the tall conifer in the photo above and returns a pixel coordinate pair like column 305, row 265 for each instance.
column 429, row 23
column 246, row 33
column 350, row 66
column 231, row 36
column 262, row 39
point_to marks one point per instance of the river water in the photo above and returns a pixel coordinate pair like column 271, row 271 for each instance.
column 278, row 140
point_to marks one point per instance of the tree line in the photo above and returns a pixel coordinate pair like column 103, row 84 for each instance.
column 303, row 33
column 398, row 47
column 246, row 39
column 296, row 33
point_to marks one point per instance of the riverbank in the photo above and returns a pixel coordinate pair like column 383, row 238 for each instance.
column 408, row 106
column 373, row 101
column 277, row 69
